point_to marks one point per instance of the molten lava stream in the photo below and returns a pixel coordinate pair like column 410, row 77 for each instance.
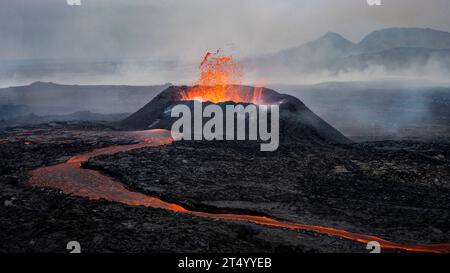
column 72, row 179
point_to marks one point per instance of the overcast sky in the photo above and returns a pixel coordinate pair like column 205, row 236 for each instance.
column 185, row 29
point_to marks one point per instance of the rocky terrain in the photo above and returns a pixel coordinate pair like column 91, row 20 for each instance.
column 45, row 220
column 397, row 190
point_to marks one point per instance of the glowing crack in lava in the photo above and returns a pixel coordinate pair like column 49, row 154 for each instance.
column 218, row 80
column 72, row 179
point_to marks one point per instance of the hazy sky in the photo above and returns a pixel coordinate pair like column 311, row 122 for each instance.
column 185, row 29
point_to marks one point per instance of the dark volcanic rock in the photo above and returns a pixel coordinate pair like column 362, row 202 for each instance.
column 297, row 122
column 45, row 220
column 396, row 190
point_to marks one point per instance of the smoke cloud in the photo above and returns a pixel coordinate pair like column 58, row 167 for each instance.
column 151, row 42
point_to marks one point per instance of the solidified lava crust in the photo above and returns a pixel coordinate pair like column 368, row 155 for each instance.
column 397, row 190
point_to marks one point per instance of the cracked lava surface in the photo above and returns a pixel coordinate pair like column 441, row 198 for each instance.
column 71, row 178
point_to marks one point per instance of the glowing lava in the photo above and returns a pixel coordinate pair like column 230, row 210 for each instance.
column 218, row 80
column 72, row 179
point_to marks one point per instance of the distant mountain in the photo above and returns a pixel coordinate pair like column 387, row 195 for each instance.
column 329, row 46
column 31, row 119
column 392, row 49
column 315, row 53
column 46, row 98
column 404, row 38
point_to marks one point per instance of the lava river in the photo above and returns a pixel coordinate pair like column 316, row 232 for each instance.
column 70, row 178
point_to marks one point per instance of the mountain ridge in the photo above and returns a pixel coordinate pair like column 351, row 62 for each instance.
column 391, row 49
